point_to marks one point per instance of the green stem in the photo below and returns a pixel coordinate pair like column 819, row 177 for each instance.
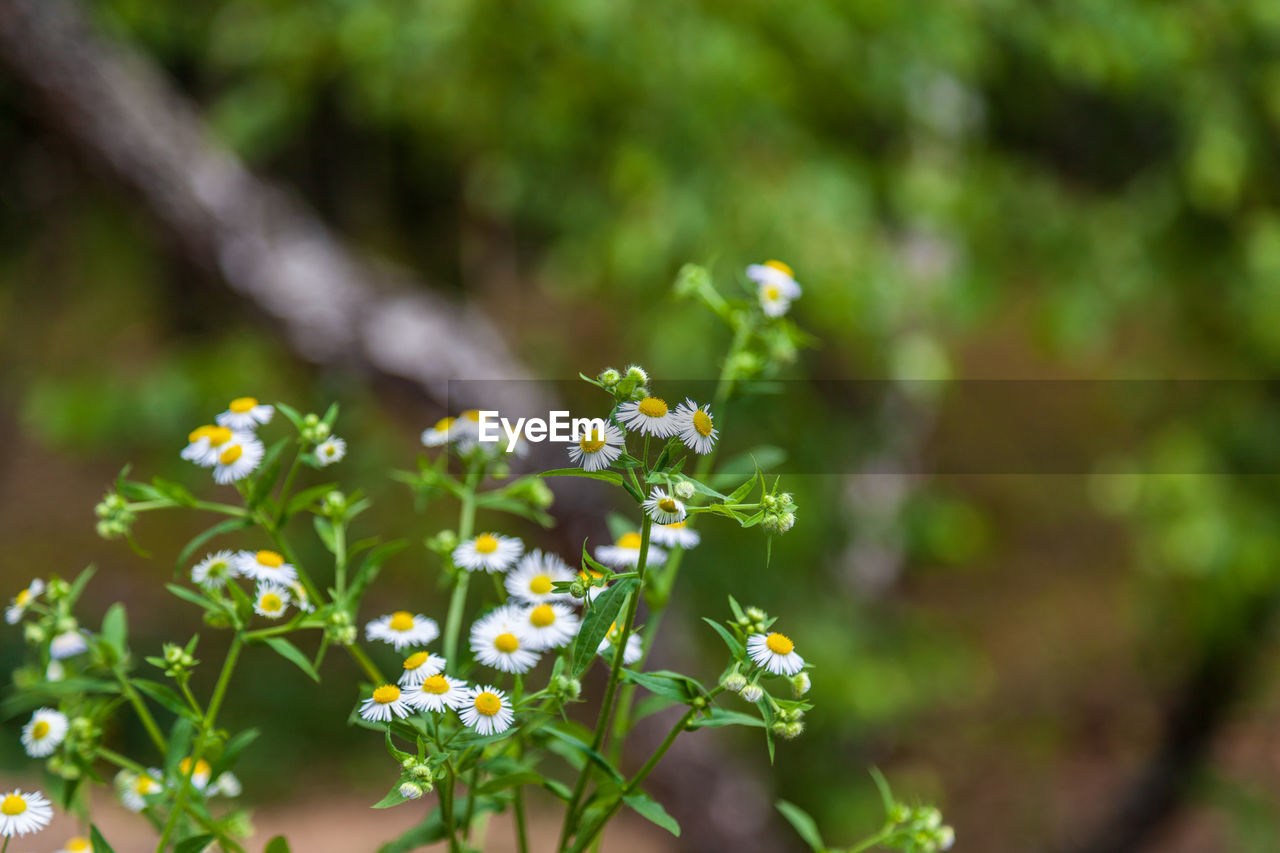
column 522, row 830
column 287, row 487
column 458, row 601
column 873, row 841
column 119, row 760
column 472, row 784
column 143, row 712
column 191, row 700
column 446, row 806
column 369, row 667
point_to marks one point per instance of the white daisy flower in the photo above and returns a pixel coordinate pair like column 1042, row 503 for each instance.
column 437, row 693
column 490, row 552
column 197, row 448
column 549, row 626
column 78, row 844
column 227, row 785
column 42, row 734
column 625, row 553
column 245, row 413
column 331, row 450
column 649, row 416
column 677, row 535
column 696, row 427
column 596, row 450
column 609, row 645
column 465, row 429
column 19, row 603
column 215, row 569
column 499, row 640
column 487, row 710
column 533, row 577
column 237, row 459
column 386, row 703
column 776, row 285
column 663, row 508
column 402, row 629
column 301, row 599
column 134, row 788
column 438, row 434
column 419, row 666
column 271, row 599
column 265, row 566
column 775, row 652
column 199, row 776
column 22, row 814
column 67, row 644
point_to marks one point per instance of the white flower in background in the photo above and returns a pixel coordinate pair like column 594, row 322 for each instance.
column 199, row 776
column 215, row 569
column 437, row 693
column 245, row 413
column 775, row 652
column 227, row 785
column 487, row 710
column 301, row 598
column 663, row 508
column 420, row 666
column 596, row 450
column 198, row 443
column 438, row 434
column 67, row 644
column 499, row 640
column 237, row 459
column 42, row 734
column 266, row 566
column 625, row 553
column 696, row 427
column 19, row 603
column 490, row 552
column 465, row 429
column 271, row 599
column 549, row 626
column 534, row 576
column 649, row 416
column 331, row 450
column 677, row 535
column 78, row 844
column 776, row 286
column 134, row 788
column 402, row 629
column 386, row 703
column 609, row 645
column 22, row 814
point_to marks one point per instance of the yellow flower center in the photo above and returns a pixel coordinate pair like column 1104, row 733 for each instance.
column 386, row 694
column 541, row 585
column 702, row 423
column 40, row 730
column 443, row 424
column 416, row 660
column 668, row 505
column 218, row 436
column 488, row 704
column 653, row 407
column 779, row 644
column 78, row 844
column 780, row 267
column 436, row 684
column 240, row 405
column 270, row 559
column 13, row 805
column 23, row 598
column 202, row 432
column 486, row 544
column 471, row 415
column 629, row 540
column 542, row 616
column 589, row 574
column 184, row 767
column 677, row 525
column 401, row 620
column 771, row 292
column 270, row 602
column 231, row 454
column 592, row 442
column 145, row 784
column 506, row 643
column 331, row 450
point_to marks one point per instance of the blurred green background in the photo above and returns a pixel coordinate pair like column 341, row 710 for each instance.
column 1073, row 189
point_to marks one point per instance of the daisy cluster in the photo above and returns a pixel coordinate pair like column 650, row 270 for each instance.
column 49, row 624
column 762, row 654
column 276, row 586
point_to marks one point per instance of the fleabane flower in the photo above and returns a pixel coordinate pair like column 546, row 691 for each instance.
column 402, row 629
column 500, row 640
column 45, row 730
column 487, row 710
column 301, row 598
column 22, row 814
column 78, row 844
column 663, row 507
column 245, row 413
column 649, row 416
column 198, row 443
column 696, row 427
column 437, row 693
column 609, row 645
column 438, row 434
column 675, row 535
column 215, row 569
column 199, row 775
column 489, row 552
column 549, row 625
column 775, row 652
column 19, row 603
column 237, row 459
column 331, row 450
column 420, row 666
column 68, row 644
column 386, row 703
column 134, row 788
column 534, row 577
column 227, row 785
column 625, row 553
column 596, row 450
column 271, row 599
column 265, row 566
column 465, row 430
column 776, row 286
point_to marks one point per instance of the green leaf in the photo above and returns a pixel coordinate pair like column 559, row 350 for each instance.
column 290, row 652
column 225, row 526
column 192, row 596
column 650, row 809
column 268, row 473
column 234, row 746
column 589, row 753
column 78, row 585
column 294, row 416
column 511, row 780
column 163, row 694
column 607, row 476
column 330, row 415
column 277, row 845
column 673, row 685
column 719, row 717
column 305, row 498
column 371, row 565
column 99, row 843
column 803, row 824
column 432, row 829
column 393, row 798
column 178, row 747
column 739, row 651
column 115, row 629
column 324, row 529
column 174, row 492
column 600, row 617
column 195, row 844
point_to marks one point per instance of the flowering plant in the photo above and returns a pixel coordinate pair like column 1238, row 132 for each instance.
column 487, row 715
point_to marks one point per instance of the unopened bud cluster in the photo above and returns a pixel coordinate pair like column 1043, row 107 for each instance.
column 178, row 662
column 339, row 628
column 632, row 384
column 779, row 513
column 314, row 430
column 920, row 828
column 789, row 723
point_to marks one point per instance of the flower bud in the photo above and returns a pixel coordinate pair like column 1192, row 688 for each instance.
column 690, row 279
column 34, row 633
column 800, row 683
column 755, row 614
column 500, row 470
column 753, row 693
column 945, row 837
column 566, row 689
column 421, row 771
column 443, row 542
column 217, row 619
column 685, row 490
column 65, row 624
column 311, row 420
column 734, row 682
column 577, row 589
column 609, row 378
column 637, row 374
column 410, row 790
column 791, row 731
